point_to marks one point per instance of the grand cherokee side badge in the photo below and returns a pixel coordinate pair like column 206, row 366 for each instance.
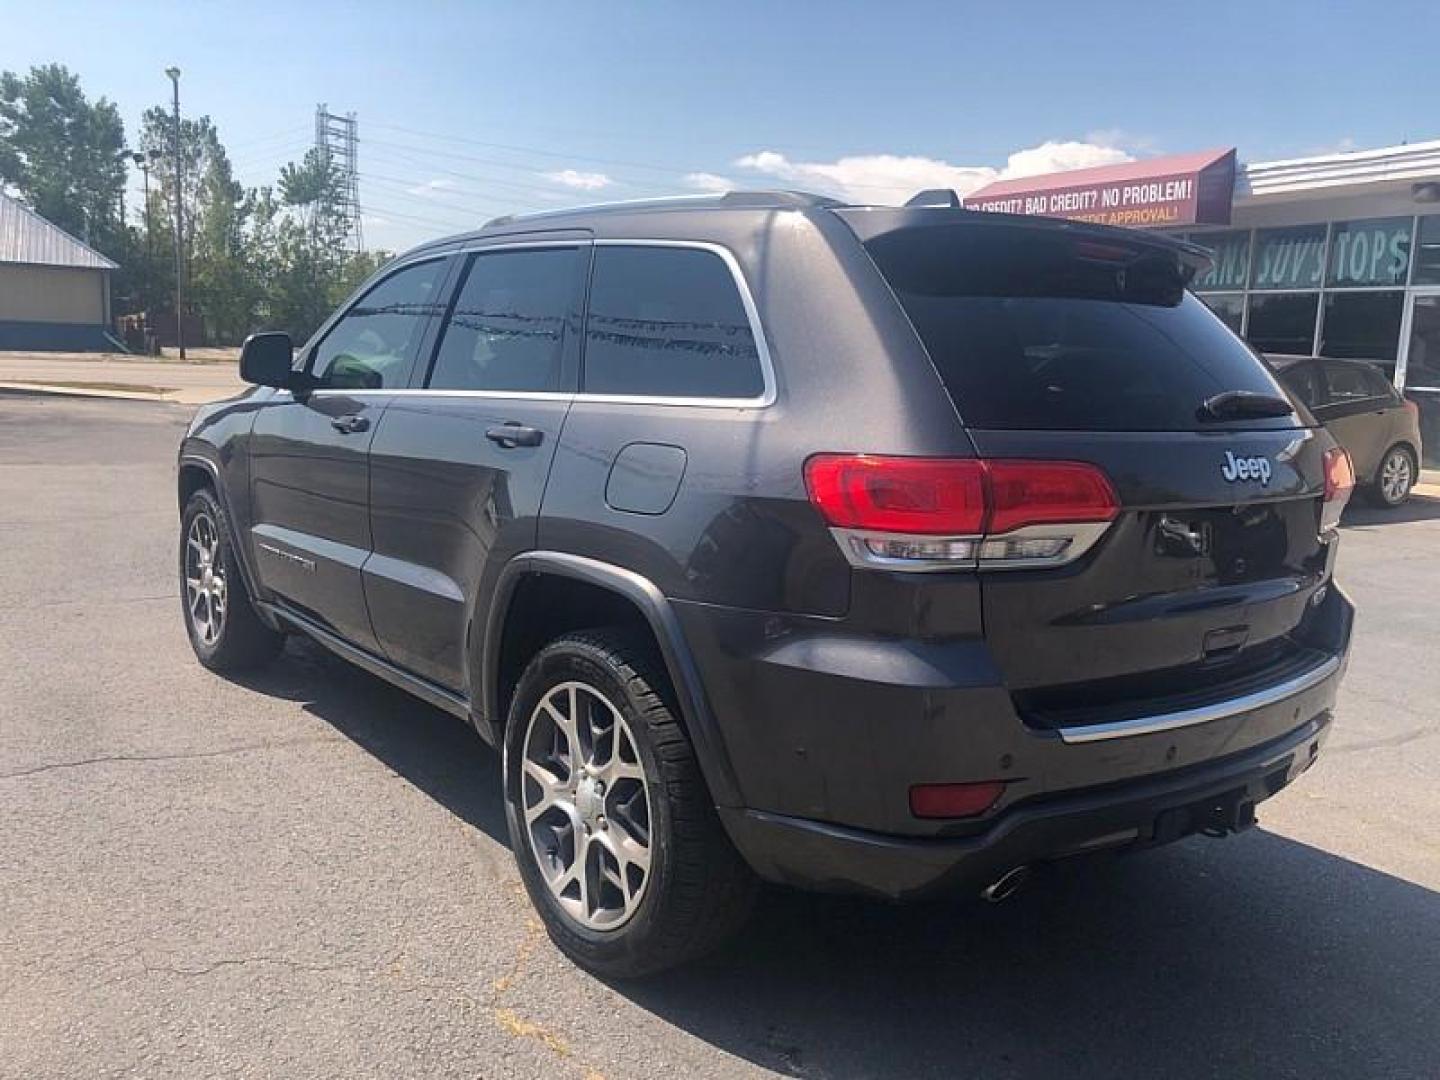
column 1246, row 468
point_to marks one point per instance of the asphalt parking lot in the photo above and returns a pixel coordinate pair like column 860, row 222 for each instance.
column 307, row 873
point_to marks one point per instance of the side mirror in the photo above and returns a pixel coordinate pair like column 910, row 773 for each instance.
column 267, row 359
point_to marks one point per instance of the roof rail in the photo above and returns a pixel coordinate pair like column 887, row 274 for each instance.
column 773, row 200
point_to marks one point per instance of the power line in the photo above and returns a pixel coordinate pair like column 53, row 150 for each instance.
column 473, row 177
column 563, row 156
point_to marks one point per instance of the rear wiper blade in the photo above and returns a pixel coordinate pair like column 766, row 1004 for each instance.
column 1243, row 404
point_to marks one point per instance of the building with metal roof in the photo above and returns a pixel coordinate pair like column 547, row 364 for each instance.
column 54, row 289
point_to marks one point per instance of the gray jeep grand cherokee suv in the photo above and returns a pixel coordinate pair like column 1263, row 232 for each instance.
column 883, row 550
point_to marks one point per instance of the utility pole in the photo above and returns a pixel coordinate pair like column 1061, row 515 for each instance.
column 174, row 74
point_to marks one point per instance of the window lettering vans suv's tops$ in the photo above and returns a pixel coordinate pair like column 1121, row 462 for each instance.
column 882, row 550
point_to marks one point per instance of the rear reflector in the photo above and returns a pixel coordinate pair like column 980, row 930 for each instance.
column 1339, row 483
column 934, row 513
column 954, row 800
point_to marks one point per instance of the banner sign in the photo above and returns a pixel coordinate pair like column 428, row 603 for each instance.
column 1186, row 189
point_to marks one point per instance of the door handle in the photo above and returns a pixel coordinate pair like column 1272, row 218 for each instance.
column 349, row 425
column 512, row 434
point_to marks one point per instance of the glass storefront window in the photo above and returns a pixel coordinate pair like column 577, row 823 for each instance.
column 1427, row 252
column 1229, row 306
column 1291, row 258
column 1363, row 325
column 1371, row 252
column 1283, row 322
column 1422, row 367
column 1232, row 260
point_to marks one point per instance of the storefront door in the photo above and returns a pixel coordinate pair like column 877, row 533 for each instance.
column 1419, row 373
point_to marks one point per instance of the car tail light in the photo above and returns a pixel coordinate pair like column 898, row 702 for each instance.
column 1339, row 483
column 954, row 800
column 947, row 513
column 903, row 495
column 1411, row 406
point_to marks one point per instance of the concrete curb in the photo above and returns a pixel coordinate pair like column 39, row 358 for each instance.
column 77, row 391
column 183, row 396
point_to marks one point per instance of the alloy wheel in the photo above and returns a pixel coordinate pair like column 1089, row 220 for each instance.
column 1396, row 476
column 586, row 807
column 206, row 590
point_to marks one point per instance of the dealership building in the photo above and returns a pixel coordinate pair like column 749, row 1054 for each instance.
column 1334, row 255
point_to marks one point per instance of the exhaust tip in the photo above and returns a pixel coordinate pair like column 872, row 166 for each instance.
column 1006, row 885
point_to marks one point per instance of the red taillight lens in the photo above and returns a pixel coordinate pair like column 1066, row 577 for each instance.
column 935, row 496
column 1339, row 474
column 954, row 800
column 1042, row 492
column 1339, row 482
column 955, row 496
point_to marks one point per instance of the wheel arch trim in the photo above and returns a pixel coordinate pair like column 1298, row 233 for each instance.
column 191, row 460
column 657, row 612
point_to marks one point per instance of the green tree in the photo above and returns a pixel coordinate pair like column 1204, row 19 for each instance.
column 63, row 154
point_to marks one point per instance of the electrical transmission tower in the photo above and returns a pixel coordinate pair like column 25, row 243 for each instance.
column 338, row 140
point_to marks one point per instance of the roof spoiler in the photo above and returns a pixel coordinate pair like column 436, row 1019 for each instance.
column 935, row 197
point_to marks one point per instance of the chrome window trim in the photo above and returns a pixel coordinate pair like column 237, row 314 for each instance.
column 768, row 391
column 747, row 301
column 1204, row 714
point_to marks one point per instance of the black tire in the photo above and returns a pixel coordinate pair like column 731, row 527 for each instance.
column 241, row 640
column 1376, row 492
column 699, row 890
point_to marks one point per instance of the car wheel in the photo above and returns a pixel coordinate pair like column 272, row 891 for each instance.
column 224, row 629
column 1394, row 478
column 614, row 831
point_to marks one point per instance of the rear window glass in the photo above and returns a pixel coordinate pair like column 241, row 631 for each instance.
column 1039, row 330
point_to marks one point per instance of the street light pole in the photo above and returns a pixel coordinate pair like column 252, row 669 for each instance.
column 143, row 164
column 174, row 74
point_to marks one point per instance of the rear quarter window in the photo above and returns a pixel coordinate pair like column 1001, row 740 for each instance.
column 1039, row 329
column 668, row 322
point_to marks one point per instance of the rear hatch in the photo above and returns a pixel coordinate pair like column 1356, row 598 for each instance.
column 1066, row 343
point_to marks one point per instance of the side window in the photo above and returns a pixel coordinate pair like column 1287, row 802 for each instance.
column 1347, row 383
column 507, row 331
column 373, row 344
column 1379, row 385
column 1304, row 381
column 668, row 322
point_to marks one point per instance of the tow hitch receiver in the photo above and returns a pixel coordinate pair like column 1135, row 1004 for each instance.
column 1229, row 812
column 1231, row 816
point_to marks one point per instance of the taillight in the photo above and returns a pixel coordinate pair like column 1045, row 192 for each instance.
column 943, row 513
column 1339, row 483
column 1041, row 492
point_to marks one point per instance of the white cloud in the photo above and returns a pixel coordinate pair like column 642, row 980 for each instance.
column 581, row 181
column 431, row 187
column 708, row 181
column 889, row 178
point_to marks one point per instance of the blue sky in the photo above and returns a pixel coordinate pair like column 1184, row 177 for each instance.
column 468, row 110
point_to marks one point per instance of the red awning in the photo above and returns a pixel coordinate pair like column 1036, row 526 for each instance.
column 1183, row 189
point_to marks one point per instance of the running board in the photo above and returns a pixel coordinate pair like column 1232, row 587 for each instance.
column 426, row 691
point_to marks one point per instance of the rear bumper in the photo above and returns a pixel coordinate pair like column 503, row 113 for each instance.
column 830, row 858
